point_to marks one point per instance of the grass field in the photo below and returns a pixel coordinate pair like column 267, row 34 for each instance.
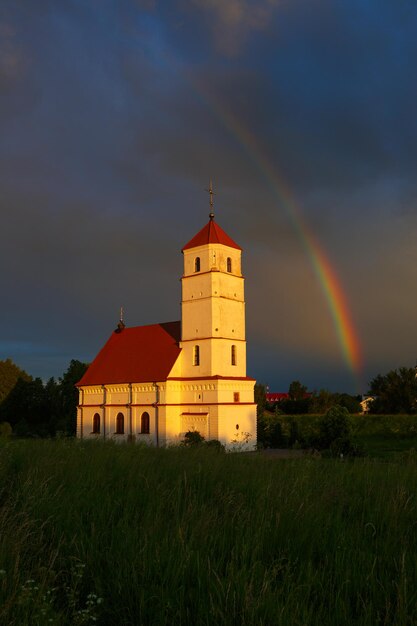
column 98, row 533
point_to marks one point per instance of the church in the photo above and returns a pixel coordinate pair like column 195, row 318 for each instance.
column 154, row 383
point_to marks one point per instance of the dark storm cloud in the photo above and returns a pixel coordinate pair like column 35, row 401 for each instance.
column 114, row 116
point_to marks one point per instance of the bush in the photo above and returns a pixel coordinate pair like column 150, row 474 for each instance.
column 192, row 438
column 215, row 445
column 333, row 426
column 5, row 429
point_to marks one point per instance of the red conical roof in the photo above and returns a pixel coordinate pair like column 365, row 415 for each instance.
column 211, row 233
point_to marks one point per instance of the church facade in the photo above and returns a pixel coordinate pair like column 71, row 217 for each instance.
column 154, row 383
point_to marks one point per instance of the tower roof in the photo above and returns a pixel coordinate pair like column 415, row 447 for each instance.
column 136, row 355
column 211, row 233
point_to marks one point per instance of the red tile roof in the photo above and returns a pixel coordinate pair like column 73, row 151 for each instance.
column 211, row 233
column 136, row 355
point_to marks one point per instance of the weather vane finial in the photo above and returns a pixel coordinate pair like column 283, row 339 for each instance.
column 211, row 192
column 121, row 325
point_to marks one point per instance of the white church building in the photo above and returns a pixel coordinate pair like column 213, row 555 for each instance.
column 154, row 383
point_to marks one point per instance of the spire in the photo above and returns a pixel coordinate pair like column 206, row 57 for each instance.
column 211, row 192
column 121, row 325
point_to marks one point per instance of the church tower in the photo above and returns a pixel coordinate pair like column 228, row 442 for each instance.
column 213, row 306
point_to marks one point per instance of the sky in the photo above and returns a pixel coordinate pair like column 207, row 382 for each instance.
column 114, row 115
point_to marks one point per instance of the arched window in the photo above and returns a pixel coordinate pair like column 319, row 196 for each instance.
column 197, row 264
column 96, row 424
column 229, row 264
column 233, row 355
column 120, row 424
column 144, row 424
column 196, row 355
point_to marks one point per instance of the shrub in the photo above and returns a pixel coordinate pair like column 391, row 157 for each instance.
column 334, row 425
column 5, row 429
column 192, row 438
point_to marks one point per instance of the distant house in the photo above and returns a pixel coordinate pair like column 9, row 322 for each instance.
column 366, row 403
column 274, row 397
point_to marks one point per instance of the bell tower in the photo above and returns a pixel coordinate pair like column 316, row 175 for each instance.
column 213, row 337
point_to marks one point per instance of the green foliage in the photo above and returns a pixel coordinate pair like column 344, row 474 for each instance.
column 297, row 391
column 333, row 426
column 321, row 401
column 396, row 392
column 113, row 534
column 193, row 438
column 68, row 394
column 260, row 398
column 269, row 431
column 5, row 429
column 9, row 375
column 35, row 409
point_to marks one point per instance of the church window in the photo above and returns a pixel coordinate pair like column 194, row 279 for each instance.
column 197, row 264
column 96, row 424
column 144, row 424
column 236, row 396
column 196, row 355
column 233, row 355
column 120, row 424
column 229, row 264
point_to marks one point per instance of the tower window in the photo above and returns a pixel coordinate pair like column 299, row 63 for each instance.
column 233, row 355
column 120, row 424
column 197, row 264
column 96, row 424
column 196, row 355
column 236, row 396
column 144, row 424
column 229, row 264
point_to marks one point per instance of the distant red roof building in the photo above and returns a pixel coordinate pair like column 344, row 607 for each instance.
column 276, row 397
column 137, row 354
column 211, row 233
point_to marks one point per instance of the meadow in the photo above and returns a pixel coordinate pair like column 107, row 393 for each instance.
column 121, row 534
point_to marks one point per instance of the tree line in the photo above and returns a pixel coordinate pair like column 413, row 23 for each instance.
column 391, row 393
column 31, row 408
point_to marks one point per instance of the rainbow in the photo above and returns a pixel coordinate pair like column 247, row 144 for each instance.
column 324, row 272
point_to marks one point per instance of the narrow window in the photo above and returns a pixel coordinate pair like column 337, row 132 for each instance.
column 120, row 424
column 96, row 424
column 196, row 355
column 229, row 264
column 197, row 264
column 144, row 424
column 236, row 396
column 233, row 355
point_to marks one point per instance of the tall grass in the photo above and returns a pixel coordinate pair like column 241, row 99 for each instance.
column 95, row 533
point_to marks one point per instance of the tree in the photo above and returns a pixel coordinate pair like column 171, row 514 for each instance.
column 396, row 391
column 297, row 391
column 27, row 402
column 333, row 426
column 260, row 399
column 9, row 375
column 321, row 401
column 68, row 394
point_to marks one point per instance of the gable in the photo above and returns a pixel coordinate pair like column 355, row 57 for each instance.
column 135, row 355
